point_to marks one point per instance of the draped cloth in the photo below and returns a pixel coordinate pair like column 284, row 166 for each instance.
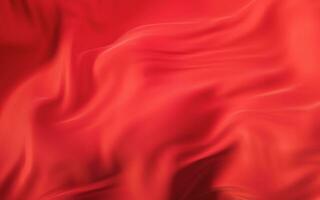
column 159, row 100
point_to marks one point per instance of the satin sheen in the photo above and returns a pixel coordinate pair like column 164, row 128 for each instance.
column 159, row 100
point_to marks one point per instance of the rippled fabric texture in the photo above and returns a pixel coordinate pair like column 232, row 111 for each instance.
column 159, row 100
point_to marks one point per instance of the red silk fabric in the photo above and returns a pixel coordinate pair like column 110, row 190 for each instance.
column 159, row 100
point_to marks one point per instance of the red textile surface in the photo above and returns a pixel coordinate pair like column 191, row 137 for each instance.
column 159, row 100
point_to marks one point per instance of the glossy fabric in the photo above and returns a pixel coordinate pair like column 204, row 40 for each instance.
column 159, row 100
